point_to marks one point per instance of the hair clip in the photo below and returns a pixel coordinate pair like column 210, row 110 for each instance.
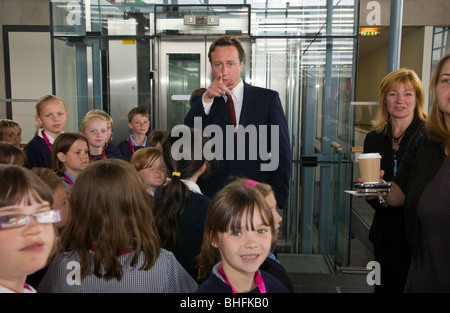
column 250, row 183
column 176, row 174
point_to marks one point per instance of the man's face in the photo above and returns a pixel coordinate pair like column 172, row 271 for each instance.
column 225, row 62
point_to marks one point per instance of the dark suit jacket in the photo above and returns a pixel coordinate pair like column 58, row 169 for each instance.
column 261, row 108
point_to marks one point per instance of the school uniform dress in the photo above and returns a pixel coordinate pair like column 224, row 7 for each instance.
column 217, row 284
column 128, row 147
column 38, row 152
column 191, row 228
column 165, row 276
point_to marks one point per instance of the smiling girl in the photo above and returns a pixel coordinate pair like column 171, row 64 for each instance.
column 238, row 235
column 27, row 236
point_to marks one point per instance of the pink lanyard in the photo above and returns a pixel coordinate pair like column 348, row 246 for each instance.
column 67, row 178
column 258, row 280
column 44, row 135
column 25, row 286
column 103, row 155
column 131, row 145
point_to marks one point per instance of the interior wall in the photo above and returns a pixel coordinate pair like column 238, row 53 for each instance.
column 373, row 67
column 19, row 12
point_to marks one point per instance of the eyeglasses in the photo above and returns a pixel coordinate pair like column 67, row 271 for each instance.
column 19, row 220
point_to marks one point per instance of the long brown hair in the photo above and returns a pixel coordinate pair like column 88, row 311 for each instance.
column 174, row 195
column 110, row 209
column 19, row 183
column 436, row 128
column 225, row 213
column 62, row 144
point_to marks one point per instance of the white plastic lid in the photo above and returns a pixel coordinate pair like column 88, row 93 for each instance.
column 369, row 156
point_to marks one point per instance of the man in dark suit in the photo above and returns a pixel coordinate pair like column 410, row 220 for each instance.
column 251, row 131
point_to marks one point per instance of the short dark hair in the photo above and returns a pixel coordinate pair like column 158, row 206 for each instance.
column 135, row 111
column 11, row 154
column 224, row 41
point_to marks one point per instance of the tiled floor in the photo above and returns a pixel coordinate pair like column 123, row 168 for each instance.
column 330, row 283
column 320, row 280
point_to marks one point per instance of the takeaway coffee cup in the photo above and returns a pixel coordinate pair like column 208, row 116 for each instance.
column 369, row 167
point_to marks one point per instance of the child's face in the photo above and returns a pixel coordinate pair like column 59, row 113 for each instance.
column 53, row 117
column 76, row 159
column 139, row 124
column 243, row 253
column 273, row 207
column 96, row 132
column 12, row 135
column 24, row 250
column 154, row 174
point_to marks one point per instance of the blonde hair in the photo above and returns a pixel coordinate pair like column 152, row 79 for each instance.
column 401, row 76
column 43, row 100
column 98, row 114
column 436, row 127
column 8, row 124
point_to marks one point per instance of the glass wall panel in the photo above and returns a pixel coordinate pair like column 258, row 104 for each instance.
column 183, row 77
column 314, row 79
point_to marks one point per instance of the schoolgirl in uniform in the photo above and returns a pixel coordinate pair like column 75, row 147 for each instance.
column 51, row 118
column 150, row 165
column 70, row 156
column 238, row 236
column 181, row 207
column 111, row 234
column 96, row 127
column 27, row 233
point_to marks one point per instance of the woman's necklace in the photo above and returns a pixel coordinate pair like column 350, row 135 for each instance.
column 395, row 146
column 395, row 143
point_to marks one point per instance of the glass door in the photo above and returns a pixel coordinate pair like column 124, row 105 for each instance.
column 182, row 69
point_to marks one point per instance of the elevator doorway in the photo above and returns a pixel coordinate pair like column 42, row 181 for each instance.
column 182, row 68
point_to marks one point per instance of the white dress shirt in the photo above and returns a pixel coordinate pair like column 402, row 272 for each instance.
column 238, row 96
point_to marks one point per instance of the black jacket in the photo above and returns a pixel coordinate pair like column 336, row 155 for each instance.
column 422, row 161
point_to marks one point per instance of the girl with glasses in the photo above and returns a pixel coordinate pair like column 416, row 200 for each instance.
column 27, row 230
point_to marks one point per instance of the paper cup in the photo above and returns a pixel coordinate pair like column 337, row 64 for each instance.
column 369, row 167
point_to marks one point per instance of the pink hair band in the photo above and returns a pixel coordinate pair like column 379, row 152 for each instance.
column 250, row 183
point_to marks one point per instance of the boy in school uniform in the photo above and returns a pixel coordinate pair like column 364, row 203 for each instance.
column 139, row 123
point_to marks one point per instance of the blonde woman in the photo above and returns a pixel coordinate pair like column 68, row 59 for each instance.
column 400, row 114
